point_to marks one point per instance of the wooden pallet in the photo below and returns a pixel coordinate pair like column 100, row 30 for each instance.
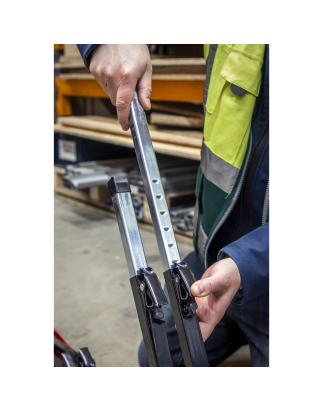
column 94, row 198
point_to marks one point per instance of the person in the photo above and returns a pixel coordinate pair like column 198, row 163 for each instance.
column 231, row 224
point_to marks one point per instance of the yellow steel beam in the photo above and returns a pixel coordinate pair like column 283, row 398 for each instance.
column 59, row 47
column 165, row 90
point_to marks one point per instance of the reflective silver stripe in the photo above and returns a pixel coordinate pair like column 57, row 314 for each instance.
column 209, row 65
column 233, row 201
column 201, row 239
column 218, row 171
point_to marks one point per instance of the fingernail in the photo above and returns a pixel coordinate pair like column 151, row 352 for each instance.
column 198, row 288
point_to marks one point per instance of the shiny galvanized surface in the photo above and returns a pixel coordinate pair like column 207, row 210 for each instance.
column 129, row 231
column 153, row 187
column 82, row 181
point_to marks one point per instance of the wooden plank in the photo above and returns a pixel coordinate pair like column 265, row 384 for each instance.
column 72, row 54
column 160, row 77
column 58, row 173
column 170, row 62
column 179, row 194
column 112, row 126
column 187, row 133
column 160, row 66
column 99, row 193
column 170, row 149
column 176, row 121
column 69, row 64
column 71, row 50
column 184, row 109
column 77, row 194
column 76, row 76
column 71, row 59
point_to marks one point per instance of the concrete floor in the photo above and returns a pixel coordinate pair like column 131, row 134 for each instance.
column 93, row 302
column 94, row 305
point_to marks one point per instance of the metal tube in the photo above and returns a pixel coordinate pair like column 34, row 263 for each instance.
column 153, row 187
column 178, row 275
column 148, row 294
column 129, row 231
column 81, row 181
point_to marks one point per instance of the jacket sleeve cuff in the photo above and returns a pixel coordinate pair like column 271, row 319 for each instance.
column 243, row 263
column 251, row 254
column 86, row 53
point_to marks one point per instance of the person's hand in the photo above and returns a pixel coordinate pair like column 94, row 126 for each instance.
column 217, row 287
column 118, row 68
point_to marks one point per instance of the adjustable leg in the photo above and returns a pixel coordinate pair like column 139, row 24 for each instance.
column 148, row 294
column 178, row 276
column 178, row 282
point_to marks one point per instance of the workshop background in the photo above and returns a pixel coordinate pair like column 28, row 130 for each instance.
column 93, row 302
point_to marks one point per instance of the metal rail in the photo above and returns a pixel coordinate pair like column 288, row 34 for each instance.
column 128, row 226
column 148, row 294
column 153, row 186
column 178, row 275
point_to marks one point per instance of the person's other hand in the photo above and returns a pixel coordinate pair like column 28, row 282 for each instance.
column 118, row 68
column 215, row 290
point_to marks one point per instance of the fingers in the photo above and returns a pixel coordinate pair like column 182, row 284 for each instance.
column 219, row 278
column 144, row 88
column 123, row 99
column 118, row 67
column 214, row 293
column 204, row 287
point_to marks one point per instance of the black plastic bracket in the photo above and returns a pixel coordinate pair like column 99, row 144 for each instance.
column 83, row 358
column 86, row 358
column 118, row 185
column 179, row 280
column 68, row 359
column 149, row 299
column 72, row 358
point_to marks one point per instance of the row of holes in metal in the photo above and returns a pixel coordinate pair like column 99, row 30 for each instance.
column 159, row 197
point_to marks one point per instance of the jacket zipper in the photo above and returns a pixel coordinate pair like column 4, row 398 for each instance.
column 266, row 205
column 247, row 188
column 234, row 200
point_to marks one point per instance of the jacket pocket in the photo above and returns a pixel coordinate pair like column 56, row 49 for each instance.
column 228, row 116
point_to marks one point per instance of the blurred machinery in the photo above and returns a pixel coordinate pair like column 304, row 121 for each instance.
column 178, row 177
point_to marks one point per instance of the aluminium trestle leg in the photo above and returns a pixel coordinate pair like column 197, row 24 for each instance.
column 178, row 276
column 147, row 291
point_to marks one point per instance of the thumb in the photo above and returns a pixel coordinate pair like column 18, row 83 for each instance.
column 144, row 89
column 204, row 287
